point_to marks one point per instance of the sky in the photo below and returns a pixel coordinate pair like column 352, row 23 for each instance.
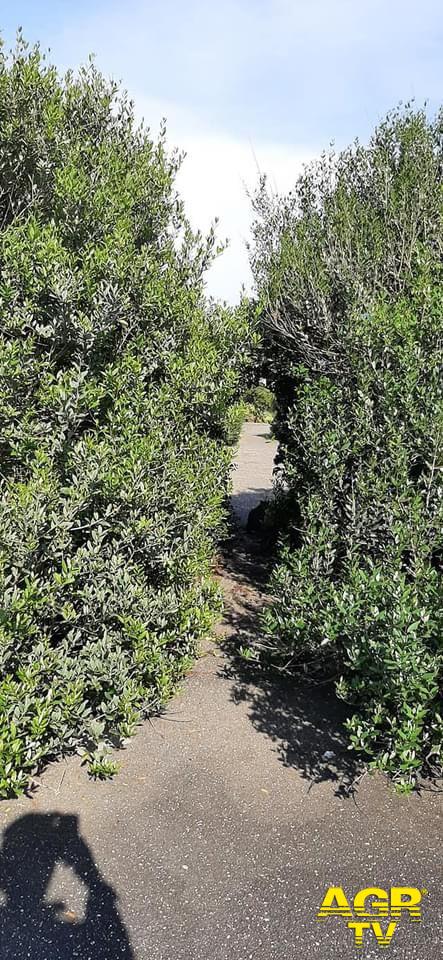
column 247, row 87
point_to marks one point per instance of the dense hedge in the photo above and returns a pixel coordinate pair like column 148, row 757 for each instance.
column 259, row 404
column 349, row 272
column 118, row 392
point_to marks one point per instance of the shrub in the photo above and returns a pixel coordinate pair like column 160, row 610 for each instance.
column 348, row 268
column 118, row 385
column 259, row 404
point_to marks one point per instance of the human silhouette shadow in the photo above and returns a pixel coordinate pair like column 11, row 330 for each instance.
column 30, row 926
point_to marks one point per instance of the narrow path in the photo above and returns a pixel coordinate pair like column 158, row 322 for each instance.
column 224, row 828
column 252, row 476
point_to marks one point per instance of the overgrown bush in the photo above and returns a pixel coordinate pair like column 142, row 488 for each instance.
column 349, row 273
column 259, row 404
column 118, row 390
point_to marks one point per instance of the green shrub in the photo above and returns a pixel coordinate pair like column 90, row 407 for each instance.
column 348, row 268
column 260, row 404
column 118, row 384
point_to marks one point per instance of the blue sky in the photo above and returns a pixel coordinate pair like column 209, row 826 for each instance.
column 248, row 85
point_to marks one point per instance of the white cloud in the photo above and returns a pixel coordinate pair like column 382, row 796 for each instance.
column 214, row 181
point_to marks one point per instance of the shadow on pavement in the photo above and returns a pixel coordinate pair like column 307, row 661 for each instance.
column 244, row 501
column 304, row 720
column 305, row 723
column 31, row 926
column 245, row 560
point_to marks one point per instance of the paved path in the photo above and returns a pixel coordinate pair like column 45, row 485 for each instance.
column 221, row 833
column 254, row 463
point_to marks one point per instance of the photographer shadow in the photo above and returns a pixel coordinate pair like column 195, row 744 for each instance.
column 31, row 926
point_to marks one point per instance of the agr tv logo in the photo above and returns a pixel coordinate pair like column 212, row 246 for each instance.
column 369, row 907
